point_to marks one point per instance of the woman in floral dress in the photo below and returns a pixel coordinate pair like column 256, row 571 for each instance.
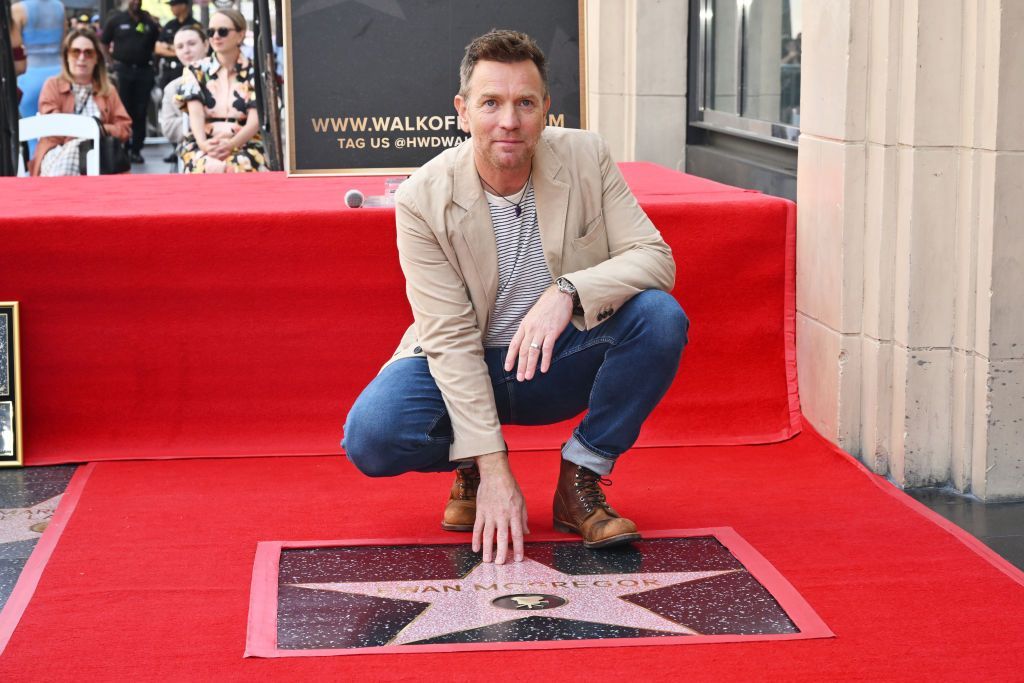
column 219, row 94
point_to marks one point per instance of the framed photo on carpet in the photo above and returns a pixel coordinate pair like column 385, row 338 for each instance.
column 10, row 387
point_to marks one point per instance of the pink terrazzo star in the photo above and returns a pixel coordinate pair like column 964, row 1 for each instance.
column 16, row 524
column 531, row 588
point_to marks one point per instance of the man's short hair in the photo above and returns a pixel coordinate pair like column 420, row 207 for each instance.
column 501, row 45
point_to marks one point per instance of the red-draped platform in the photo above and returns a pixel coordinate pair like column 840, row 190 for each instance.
column 185, row 316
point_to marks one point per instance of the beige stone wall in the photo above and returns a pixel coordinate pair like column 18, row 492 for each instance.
column 910, row 247
column 636, row 80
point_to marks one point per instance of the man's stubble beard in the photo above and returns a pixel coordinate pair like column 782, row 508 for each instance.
column 495, row 161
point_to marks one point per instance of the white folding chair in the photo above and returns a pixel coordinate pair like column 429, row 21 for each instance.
column 63, row 125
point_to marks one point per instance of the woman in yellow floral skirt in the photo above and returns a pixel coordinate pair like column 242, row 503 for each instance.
column 219, row 94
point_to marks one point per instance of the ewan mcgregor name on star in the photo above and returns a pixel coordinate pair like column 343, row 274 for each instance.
column 514, row 585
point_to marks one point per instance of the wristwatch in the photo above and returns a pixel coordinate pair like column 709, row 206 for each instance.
column 569, row 288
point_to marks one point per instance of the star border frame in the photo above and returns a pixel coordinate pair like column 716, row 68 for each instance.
column 261, row 636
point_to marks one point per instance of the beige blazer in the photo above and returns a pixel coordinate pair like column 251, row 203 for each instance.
column 593, row 233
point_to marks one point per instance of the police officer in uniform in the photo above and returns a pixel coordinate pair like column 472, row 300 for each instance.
column 170, row 67
column 134, row 34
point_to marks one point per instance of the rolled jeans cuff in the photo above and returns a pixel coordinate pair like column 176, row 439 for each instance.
column 575, row 452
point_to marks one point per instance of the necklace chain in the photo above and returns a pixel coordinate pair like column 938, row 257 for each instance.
column 518, row 205
column 523, row 235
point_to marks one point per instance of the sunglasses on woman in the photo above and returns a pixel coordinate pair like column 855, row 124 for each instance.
column 222, row 32
column 77, row 52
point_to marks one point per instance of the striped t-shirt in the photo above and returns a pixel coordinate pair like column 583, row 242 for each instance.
column 523, row 274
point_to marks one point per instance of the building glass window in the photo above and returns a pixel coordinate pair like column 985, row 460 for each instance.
column 749, row 71
column 722, row 71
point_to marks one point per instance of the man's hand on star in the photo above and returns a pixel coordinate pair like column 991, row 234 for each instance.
column 535, row 339
column 500, row 510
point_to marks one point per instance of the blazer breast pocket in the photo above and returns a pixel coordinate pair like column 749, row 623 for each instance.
column 593, row 231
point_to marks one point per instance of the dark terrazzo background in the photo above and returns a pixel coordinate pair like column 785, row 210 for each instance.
column 24, row 488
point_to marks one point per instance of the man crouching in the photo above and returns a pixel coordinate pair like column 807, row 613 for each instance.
column 505, row 240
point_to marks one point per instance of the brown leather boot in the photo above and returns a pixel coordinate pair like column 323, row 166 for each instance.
column 581, row 508
column 460, row 512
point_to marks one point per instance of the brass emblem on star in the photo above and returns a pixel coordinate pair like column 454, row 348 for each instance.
column 528, row 602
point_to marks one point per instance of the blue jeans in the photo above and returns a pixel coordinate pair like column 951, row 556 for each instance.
column 617, row 372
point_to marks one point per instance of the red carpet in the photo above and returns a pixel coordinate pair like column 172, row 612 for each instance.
column 181, row 316
column 151, row 578
column 243, row 318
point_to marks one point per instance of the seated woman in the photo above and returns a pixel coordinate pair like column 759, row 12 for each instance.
column 81, row 88
column 190, row 46
column 220, row 95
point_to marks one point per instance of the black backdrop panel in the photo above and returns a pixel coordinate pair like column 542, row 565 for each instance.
column 372, row 81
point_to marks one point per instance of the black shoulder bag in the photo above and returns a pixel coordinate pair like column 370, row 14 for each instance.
column 113, row 154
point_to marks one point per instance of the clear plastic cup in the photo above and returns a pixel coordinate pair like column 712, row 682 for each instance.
column 390, row 188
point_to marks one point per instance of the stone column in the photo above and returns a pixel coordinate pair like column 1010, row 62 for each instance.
column 660, row 134
column 910, row 334
column 611, row 73
column 636, row 80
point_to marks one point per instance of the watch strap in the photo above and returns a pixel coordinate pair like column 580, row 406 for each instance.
column 569, row 288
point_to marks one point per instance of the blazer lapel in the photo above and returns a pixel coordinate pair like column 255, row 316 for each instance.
column 475, row 223
column 552, row 195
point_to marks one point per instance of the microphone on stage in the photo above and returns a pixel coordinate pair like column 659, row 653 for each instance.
column 354, row 199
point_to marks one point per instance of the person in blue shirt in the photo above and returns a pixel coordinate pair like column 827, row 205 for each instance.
column 41, row 23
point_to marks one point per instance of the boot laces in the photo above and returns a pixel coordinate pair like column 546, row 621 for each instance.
column 588, row 485
column 468, row 480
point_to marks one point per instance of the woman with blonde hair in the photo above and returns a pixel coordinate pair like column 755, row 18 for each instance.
column 82, row 87
column 219, row 94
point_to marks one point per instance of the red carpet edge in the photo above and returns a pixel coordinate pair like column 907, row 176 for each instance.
column 887, row 487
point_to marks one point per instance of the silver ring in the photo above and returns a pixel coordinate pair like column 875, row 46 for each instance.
column 534, row 345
